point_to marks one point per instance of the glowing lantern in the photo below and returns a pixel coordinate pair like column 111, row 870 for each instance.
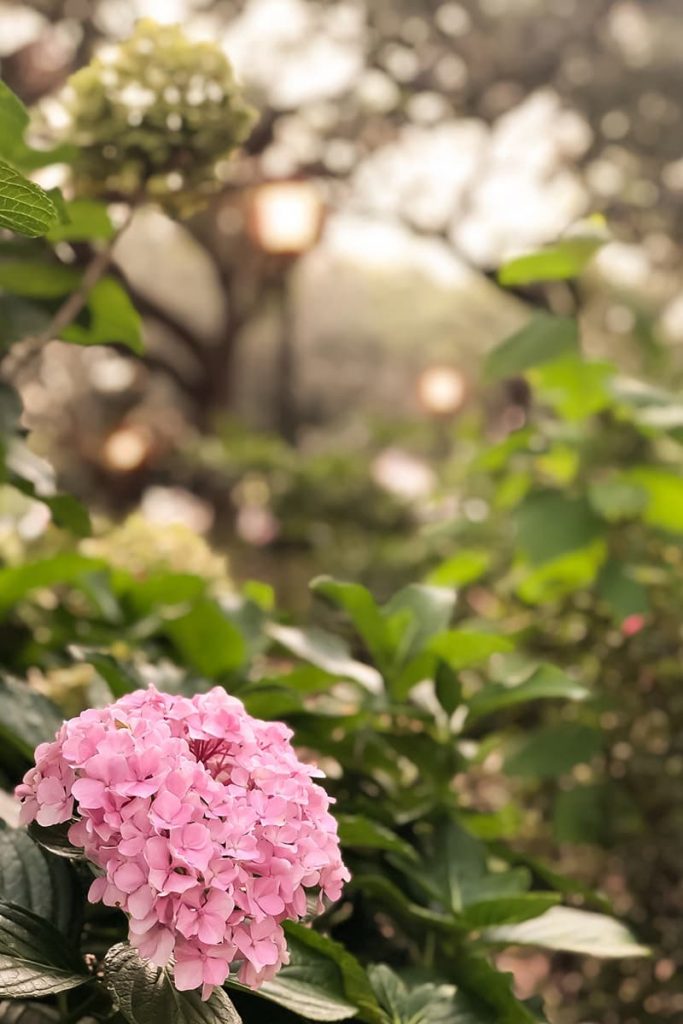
column 285, row 217
column 441, row 390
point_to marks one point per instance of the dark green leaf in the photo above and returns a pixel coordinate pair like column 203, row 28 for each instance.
column 554, row 750
column 207, row 639
column 447, row 687
column 18, row 581
column 621, row 592
column 32, row 279
column 546, row 682
column 33, row 879
column 549, row 525
column 360, row 606
column 144, row 993
column 27, row 718
column 34, row 957
column 365, row 834
column 55, row 838
column 355, row 984
column 543, row 340
column 414, row 615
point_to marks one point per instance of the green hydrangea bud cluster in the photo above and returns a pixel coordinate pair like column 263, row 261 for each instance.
column 153, row 116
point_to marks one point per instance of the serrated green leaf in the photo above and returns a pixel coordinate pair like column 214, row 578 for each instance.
column 24, row 206
column 144, row 993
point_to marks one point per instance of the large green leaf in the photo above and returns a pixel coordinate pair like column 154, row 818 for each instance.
column 478, row 897
column 31, row 878
column 112, row 318
column 27, row 718
column 355, row 985
column 14, row 120
column 623, row 594
column 560, row 261
column 360, row 606
column 144, row 993
column 364, row 834
column 35, row 959
column 554, row 750
column 543, row 340
column 208, row 640
column 572, row 931
column 549, row 525
column 24, row 206
column 546, row 682
column 462, row 648
column 464, row 567
column 35, row 279
column 573, row 387
column 86, row 220
column 18, row 581
column 414, row 615
column 664, row 496
column 480, row 979
column 427, row 1003
column 310, row 985
column 327, row 651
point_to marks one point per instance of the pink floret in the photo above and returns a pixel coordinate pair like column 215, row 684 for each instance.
column 206, row 826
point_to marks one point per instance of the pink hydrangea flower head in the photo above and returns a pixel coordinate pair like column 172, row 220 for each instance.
column 207, row 828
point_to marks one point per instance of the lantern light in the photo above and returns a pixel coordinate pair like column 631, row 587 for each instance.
column 127, row 448
column 441, row 390
column 286, row 217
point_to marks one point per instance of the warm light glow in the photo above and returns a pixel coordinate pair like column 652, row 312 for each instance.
column 286, row 217
column 127, row 448
column 441, row 390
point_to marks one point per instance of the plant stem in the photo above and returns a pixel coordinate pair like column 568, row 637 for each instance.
column 70, row 308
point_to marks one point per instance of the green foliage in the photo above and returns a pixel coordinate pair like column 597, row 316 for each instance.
column 24, row 206
column 142, row 993
column 407, row 700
